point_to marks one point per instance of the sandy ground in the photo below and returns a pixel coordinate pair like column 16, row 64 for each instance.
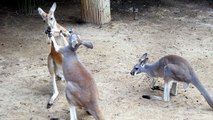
column 181, row 28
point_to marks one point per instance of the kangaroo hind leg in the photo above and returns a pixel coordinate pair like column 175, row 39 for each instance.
column 51, row 67
column 156, row 87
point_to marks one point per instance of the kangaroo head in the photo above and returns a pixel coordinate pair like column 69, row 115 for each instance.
column 49, row 18
column 75, row 42
column 139, row 67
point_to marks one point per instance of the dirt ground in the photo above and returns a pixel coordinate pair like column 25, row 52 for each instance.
column 175, row 27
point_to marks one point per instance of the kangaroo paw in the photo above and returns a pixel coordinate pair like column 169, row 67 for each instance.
column 146, row 96
column 157, row 88
column 54, row 119
column 88, row 113
column 49, row 105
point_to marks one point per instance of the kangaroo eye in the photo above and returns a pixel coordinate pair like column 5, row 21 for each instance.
column 136, row 68
column 51, row 18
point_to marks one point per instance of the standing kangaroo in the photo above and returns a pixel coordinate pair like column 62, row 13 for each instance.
column 171, row 68
column 54, row 58
column 80, row 90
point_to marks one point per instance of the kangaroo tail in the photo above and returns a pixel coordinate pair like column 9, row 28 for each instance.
column 202, row 90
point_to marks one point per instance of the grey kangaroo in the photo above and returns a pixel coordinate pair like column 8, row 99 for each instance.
column 81, row 90
column 171, row 68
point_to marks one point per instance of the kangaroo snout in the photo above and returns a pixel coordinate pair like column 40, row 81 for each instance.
column 132, row 73
column 48, row 31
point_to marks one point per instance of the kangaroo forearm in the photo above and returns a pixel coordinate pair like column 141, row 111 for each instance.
column 64, row 30
column 56, row 46
column 64, row 39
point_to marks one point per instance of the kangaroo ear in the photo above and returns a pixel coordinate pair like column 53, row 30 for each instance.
column 40, row 11
column 145, row 61
column 143, row 57
column 53, row 8
column 87, row 44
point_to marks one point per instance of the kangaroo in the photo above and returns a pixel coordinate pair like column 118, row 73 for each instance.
column 54, row 58
column 81, row 90
column 171, row 68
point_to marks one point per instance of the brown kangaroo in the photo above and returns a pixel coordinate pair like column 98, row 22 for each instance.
column 54, row 57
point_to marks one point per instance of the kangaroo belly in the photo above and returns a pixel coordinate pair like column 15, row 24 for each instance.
column 57, row 57
column 76, row 95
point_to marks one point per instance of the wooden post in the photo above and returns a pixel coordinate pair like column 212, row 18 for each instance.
column 95, row 11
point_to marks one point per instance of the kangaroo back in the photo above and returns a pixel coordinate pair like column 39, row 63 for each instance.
column 202, row 90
